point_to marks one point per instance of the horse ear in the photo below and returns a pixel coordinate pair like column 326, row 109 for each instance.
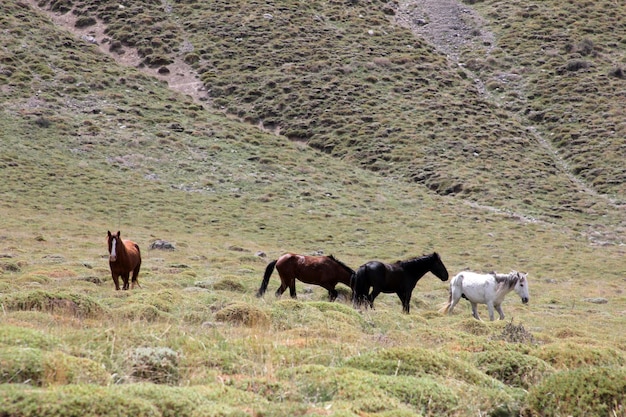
column 118, row 233
column 108, row 233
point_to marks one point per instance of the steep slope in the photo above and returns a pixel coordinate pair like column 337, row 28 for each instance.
column 350, row 81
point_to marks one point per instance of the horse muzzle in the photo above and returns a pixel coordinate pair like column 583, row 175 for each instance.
column 112, row 258
column 525, row 300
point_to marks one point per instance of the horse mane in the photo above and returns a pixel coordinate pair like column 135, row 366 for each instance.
column 416, row 259
column 344, row 266
column 510, row 280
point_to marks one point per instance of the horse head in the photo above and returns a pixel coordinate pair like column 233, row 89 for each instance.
column 113, row 240
column 521, row 287
column 438, row 268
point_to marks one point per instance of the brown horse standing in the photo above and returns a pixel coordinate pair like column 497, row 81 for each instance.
column 124, row 257
column 325, row 271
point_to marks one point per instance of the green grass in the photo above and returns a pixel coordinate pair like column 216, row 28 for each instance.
column 89, row 146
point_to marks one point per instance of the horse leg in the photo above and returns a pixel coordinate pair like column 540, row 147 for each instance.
column 332, row 294
column 125, row 277
column 406, row 302
column 490, row 308
column 283, row 283
column 475, row 311
column 281, row 289
column 292, row 288
column 499, row 310
column 372, row 296
column 116, row 281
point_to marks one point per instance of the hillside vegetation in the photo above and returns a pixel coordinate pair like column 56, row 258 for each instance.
column 327, row 127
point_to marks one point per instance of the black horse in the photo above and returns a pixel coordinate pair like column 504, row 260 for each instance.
column 400, row 277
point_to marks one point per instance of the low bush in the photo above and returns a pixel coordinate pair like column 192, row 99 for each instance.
column 71, row 401
column 572, row 355
column 61, row 369
column 76, row 304
column 138, row 311
column 40, row 368
column 158, row 365
column 21, row 365
column 588, row 391
column 243, row 314
column 227, row 284
column 515, row 333
column 25, row 337
column 513, row 368
column 419, row 363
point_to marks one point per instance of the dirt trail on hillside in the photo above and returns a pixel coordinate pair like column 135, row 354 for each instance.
column 181, row 77
column 447, row 24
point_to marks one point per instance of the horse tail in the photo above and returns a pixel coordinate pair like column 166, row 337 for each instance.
column 360, row 285
column 353, row 287
column 266, row 278
column 446, row 308
column 135, row 276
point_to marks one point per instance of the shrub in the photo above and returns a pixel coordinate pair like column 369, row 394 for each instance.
column 426, row 394
column 79, row 305
column 513, row 368
column 288, row 314
column 85, row 21
column 227, row 284
column 579, row 392
column 21, row 365
column 60, row 368
column 576, row 65
column 25, row 337
column 243, row 314
column 158, row 365
column 139, row 311
column 475, row 327
column 35, row 367
column 419, row 362
column 163, row 300
column 571, row 355
column 71, row 401
column 320, row 384
column 515, row 334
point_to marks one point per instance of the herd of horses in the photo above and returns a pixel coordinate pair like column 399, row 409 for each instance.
column 366, row 283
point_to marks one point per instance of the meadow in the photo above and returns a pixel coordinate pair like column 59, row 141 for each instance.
column 362, row 169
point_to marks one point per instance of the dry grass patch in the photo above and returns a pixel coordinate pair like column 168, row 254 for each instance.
column 75, row 304
column 243, row 314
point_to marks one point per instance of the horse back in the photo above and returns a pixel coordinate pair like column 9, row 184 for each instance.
column 371, row 273
column 475, row 287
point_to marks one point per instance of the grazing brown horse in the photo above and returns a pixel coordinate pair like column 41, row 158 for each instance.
column 325, row 271
column 124, row 257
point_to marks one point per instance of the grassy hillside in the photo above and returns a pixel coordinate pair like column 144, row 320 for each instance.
column 362, row 168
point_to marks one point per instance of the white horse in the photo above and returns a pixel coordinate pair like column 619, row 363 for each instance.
column 487, row 289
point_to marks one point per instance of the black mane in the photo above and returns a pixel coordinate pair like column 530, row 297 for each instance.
column 417, row 259
column 344, row 266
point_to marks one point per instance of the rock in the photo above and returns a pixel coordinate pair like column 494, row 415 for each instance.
column 598, row 300
column 161, row 245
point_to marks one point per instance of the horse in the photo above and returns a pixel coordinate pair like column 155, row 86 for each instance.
column 399, row 277
column 325, row 271
column 487, row 289
column 124, row 257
